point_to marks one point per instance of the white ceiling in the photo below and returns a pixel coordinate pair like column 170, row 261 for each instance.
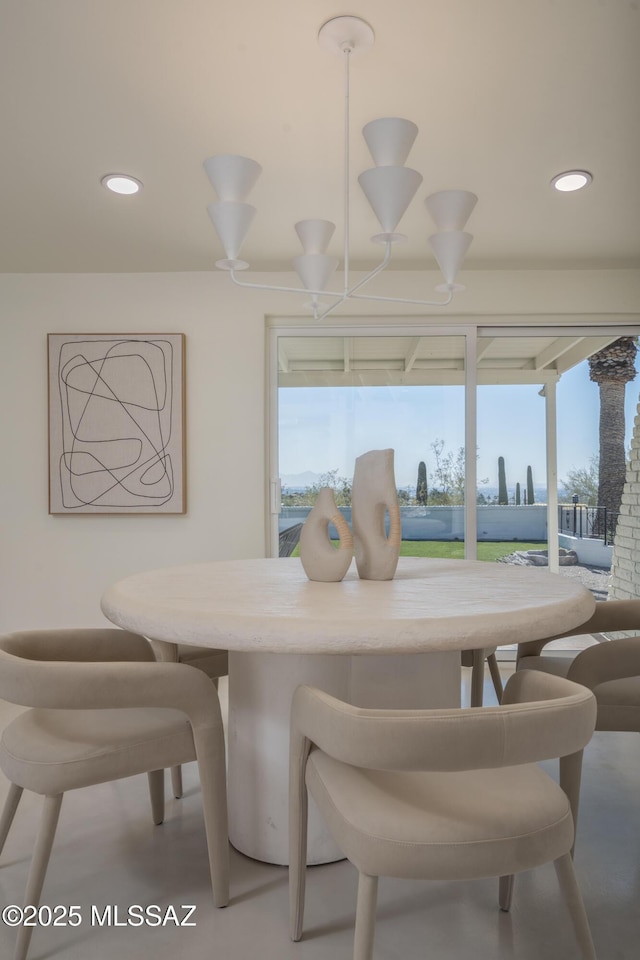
column 506, row 94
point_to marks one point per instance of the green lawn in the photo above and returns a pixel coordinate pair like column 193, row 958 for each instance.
column 454, row 549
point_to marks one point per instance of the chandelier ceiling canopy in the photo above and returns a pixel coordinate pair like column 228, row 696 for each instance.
column 389, row 187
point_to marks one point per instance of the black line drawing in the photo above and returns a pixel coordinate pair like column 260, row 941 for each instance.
column 115, row 430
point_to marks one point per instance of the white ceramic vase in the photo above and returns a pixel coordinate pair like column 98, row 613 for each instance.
column 320, row 559
column 373, row 496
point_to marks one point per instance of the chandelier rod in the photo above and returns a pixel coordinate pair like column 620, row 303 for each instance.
column 346, row 50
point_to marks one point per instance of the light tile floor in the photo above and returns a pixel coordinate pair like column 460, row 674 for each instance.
column 107, row 851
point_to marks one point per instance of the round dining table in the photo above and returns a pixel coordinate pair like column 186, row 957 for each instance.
column 393, row 643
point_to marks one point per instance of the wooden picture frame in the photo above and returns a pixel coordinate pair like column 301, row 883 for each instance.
column 116, row 423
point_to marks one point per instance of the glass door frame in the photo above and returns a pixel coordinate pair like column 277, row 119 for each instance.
column 471, row 330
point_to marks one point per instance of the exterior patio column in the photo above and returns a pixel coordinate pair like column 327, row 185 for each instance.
column 549, row 394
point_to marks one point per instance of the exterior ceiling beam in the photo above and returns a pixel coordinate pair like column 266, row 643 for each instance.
column 412, row 353
column 484, row 344
column 554, row 350
column 347, row 352
column 586, row 347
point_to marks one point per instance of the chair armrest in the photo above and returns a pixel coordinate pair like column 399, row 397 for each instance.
column 534, row 726
column 609, row 616
column 99, row 644
column 533, row 686
column 612, row 660
column 71, row 685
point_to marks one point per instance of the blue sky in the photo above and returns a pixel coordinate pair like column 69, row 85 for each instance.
column 326, row 428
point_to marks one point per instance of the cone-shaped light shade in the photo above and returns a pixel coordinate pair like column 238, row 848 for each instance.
column 232, row 221
column 314, row 269
column 315, row 234
column 389, row 190
column 450, row 249
column 232, row 177
column 389, row 140
column 450, row 209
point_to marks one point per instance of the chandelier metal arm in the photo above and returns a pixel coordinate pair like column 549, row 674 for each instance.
column 348, row 294
column 341, row 295
column 279, row 289
column 420, row 303
column 345, row 294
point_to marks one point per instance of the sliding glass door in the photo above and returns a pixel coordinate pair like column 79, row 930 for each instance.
column 495, row 431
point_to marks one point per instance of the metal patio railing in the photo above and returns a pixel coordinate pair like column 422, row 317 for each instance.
column 579, row 520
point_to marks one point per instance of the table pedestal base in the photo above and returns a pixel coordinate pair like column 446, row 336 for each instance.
column 261, row 686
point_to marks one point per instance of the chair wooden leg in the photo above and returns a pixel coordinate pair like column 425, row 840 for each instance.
column 38, row 868
column 297, row 867
column 213, row 787
column 477, row 678
column 176, row 772
column 505, row 892
column 570, row 777
column 298, row 825
column 9, row 812
column 494, row 670
column 156, row 794
column 365, row 917
column 573, row 899
column 176, row 781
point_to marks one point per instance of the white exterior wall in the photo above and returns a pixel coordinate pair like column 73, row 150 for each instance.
column 506, row 522
column 594, row 552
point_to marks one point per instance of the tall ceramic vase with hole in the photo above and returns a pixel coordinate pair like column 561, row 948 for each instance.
column 320, row 559
column 374, row 497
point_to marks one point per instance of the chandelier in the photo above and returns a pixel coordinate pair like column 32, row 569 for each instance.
column 389, row 187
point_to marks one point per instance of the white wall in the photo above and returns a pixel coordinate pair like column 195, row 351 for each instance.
column 593, row 552
column 53, row 570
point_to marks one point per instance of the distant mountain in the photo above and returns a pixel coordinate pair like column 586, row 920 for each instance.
column 299, row 481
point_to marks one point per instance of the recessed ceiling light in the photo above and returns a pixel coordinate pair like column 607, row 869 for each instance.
column 121, row 183
column 572, row 180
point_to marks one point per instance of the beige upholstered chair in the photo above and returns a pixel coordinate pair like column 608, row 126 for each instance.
column 212, row 661
column 610, row 616
column 612, row 672
column 610, row 669
column 86, row 726
column 441, row 794
column 475, row 659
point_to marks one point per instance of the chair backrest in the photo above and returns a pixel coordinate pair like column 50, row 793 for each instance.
column 542, row 717
column 98, row 669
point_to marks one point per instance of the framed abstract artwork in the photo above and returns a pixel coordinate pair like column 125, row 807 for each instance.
column 116, row 423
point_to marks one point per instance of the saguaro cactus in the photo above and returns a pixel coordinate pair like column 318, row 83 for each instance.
column 421, row 485
column 503, row 496
column 530, row 495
